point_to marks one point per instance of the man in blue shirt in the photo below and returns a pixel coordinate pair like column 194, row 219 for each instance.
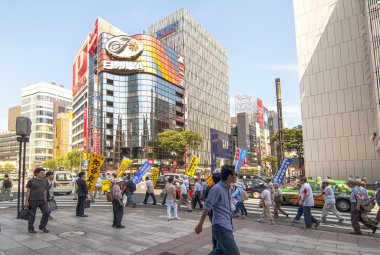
column 197, row 194
column 219, row 201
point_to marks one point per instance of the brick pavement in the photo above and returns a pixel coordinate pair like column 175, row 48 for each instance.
column 148, row 232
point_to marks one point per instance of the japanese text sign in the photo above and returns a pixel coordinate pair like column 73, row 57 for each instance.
column 96, row 162
column 190, row 171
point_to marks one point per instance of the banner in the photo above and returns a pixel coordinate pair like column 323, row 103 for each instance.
column 209, row 180
column 237, row 154
column 143, row 170
column 155, row 171
column 190, row 171
column 125, row 164
column 106, row 185
column 240, row 161
column 96, row 162
column 280, row 175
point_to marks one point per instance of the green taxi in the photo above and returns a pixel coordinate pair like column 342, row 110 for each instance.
column 341, row 191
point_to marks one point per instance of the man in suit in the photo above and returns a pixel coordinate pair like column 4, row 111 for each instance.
column 82, row 194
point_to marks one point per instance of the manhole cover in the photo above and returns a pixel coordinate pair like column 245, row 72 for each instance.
column 72, row 234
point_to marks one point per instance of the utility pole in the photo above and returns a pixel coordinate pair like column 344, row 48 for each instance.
column 280, row 125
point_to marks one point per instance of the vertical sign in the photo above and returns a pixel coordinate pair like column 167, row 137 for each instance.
column 125, row 164
column 260, row 118
column 280, row 175
column 190, row 171
column 155, row 171
column 85, row 128
column 96, row 162
column 237, row 155
column 240, row 162
column 143, row 170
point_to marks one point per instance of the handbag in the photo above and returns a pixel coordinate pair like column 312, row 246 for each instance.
column 86, row 203
column 52, row 204
column 24, row 214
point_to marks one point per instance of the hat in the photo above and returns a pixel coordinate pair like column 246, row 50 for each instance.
column 325, row 181
column 118, row 180
column 216, row 171
column 377, row 183
column 350, row 182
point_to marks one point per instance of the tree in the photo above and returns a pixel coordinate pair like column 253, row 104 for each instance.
column 176, row 141
column 50, row 164
column 270, row 162
column 74, row 159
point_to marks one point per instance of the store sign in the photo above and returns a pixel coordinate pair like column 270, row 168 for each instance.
column 80, row 69
column 167, row 30
column 123, row 65
column 124, row 47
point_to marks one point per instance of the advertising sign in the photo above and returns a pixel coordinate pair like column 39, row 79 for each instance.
column 240, row 161
column 209, row 180
column 190, row 171
column 167, row 30
column 237, row 155
column 143, row 170
column 96, row 162
column 280, row 175
column 80, row 69
column 85, row 128
column 123, row 47
column 93, row 41
column 155, row 171
column 260, row 118
column 125, row 164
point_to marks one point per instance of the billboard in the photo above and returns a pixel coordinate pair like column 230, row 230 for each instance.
column 80, row 69
column 167, row 30
column 260, row 117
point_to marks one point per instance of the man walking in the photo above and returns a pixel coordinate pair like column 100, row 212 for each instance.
column 277, row 199
column 184, row 197
column 266, row 198
column 50, row 190
column 238, row 195
column 36, row 196
column 356, row 216
column 118, row 206
column 197, row 194
column 307, row 202
column 149, row 191
column 219, row 201
column 7, row 188
column 329, row 205
column 130, row 188
column 82, row 194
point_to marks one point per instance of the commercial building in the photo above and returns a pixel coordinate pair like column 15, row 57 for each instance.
column 338, row 61
column 126, row 89
column 206, row 77
column 13, row 113
column 37, row 103
column 9, row 149
column 62, row 135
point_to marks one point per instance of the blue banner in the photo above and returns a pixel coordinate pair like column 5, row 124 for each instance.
column 143, row 170
column 280, row 175
column 240, row 162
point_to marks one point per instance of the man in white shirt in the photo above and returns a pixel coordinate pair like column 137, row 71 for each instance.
column 266, row 198
column 185, row 196
column 98, row 187
column 329, row 205
column 307, row 201
column 149, row 191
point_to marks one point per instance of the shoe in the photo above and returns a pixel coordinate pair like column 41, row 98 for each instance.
column 287, row 216
column 296, row 221
column 144, row 203
column 74, row 198
column 44, row 230
column 316, row 224
column 114, row 226
column 32, row 231
column 154, row 204
column 121, row 226
column 189, row 210
column 356, row 233
column 341, row 221
column 272, row 222
column 177, row 218
column 169, row 219
column 261, row 221
column 84, row 215
column 304, row 227
column 374, row 230
column 10, row 199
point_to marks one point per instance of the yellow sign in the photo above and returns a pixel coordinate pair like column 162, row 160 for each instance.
column 125, row 164
column 155, row 171
column 96, row 163
column 190, row 171
column 209, row 180
column 84, row 156
column 106, row 185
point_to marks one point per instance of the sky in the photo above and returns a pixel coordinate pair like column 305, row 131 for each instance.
column 41, row 38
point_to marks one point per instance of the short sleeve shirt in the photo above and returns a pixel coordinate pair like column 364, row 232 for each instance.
column 329, row 195
column 306, row 189
column 37, row 189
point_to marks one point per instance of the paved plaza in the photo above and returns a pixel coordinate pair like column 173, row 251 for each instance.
column 148, row 232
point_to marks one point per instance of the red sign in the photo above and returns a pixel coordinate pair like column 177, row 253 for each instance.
column 151, row 161
column 260, row 117
column 246, row 161
column 85, row 128
column 167, row 170
column 237, row 155
column 80, row 69
column 96, row 147
column 93, row 41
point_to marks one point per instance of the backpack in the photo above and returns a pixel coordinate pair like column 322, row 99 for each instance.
column 131, row 186
column 109, row 196
column 365, row 202
column 7, row 184
column 244, row 195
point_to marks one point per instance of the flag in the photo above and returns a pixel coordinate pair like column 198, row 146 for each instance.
column 240, row 161
column 280, row 175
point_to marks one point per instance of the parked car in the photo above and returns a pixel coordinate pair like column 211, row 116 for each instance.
column 62, row 182
column 160, row 183
column 341, row 191
column 254, row 187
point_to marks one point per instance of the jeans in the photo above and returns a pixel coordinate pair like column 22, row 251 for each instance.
column 130, row 198
column 197, row 200
column 80, row 206
column 33, row 205
column 169, row 204
column 309, row 219
column 327, row 208
column 240, row 207
column 147, row 196
column 118, row 212
column 226, row 244
column 299, row 213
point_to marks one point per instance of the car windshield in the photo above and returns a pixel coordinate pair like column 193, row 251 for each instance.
column 64, row 177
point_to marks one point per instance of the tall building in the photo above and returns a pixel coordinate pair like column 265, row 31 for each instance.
column 62, row 135
column 9, row 148
column 37, row 103
column 206, row 77
column 126, row 89
column 13, row 113
column 337, row 41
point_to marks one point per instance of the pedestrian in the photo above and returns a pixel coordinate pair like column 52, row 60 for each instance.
column 219, row 202
column 50, row 189
column 184, row 197
column 266, row 198
column 82, row 194
column 238, row 195
column 278, row 200
column 75, row 188
column 377, row 196
column 307, row 201
column 186, row 182
column 356, row 211
column 300, row 207
column 149, row 191
column 7, row 188
column 130, row 188
column 204, row 186
column 117, row 204
column 36, row 197
column 171, row 199
column 98, row 187
column 329, row 205
column 197, row 194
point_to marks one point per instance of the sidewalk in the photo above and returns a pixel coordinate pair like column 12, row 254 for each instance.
column 148, row 232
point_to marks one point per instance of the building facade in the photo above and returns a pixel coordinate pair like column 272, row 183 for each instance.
column 206, row 76
column 37, row 103
column 338, row 86
column 62, row 135
column 13, row 113
column 9, row 149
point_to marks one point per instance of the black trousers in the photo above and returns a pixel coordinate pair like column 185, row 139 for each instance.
column 147, row 196
column 118, row 212
column 356, row 217
column 33, row 205
column 80, row 206
column 197, row 200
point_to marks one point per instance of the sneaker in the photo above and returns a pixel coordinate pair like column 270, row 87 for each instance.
column 272, row 222
column 32, row 231
column 177, row 218
column 84, row 215
column 261, row 221
column 316, row 224
column 121, row 226
column 341, row 220
column 356, row 233
column 169, row 219
column 296, row 221
column 44, row 230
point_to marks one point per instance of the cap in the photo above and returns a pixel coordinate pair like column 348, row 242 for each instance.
column 118, row 180
column 377, row 183
column 325, row 181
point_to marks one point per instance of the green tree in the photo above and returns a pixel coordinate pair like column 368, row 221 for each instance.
column 176, row 141
column 271, row 163
column 9, row 167
column 50, row 164
column 74, row 159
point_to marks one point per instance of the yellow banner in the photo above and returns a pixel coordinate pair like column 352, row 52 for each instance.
column 155, row 171
column 190, row 171
column 125, row 164
column 106, row 185
column 96, row 163
column 209, row 180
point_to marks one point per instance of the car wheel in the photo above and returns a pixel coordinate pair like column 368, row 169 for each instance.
column 255, row 194
column 68, row 193
column 343, row 205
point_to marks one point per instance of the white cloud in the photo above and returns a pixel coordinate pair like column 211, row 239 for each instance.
column 283, row 67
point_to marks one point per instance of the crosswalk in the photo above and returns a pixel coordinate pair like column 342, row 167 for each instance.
column 252, row 206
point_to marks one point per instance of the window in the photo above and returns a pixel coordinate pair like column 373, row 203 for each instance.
column 64, row 177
